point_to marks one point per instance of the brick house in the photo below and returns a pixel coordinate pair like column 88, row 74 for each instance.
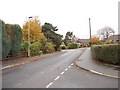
column 114, row 38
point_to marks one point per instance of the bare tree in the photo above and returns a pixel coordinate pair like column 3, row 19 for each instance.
column 105, row 32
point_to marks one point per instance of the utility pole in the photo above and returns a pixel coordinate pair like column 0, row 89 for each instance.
column 90, row 31
column 29, row 36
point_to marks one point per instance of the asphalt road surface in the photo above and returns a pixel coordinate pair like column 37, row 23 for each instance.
column 56, row 71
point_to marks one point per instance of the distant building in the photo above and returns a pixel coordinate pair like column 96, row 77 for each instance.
column 114, row 38
column 83, row 41
column 62, row 44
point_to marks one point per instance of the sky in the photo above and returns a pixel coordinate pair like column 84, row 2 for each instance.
column 67, row 15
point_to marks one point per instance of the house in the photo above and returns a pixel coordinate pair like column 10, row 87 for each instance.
column 62, row 44
column 113, row 38
column 83, row 41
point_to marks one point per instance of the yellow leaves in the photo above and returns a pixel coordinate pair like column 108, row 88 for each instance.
column 35, row 30
column 95, row 39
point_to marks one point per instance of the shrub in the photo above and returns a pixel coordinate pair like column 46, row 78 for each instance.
column 35, row 49
column 59, row 49
column 49, row 47
column 63, row 47
column 72, row 46
column 106, row 53
column 24, row 46
column 107, row 43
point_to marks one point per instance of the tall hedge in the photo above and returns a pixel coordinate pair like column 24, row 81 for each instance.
column 106, row 53
column 6, row 39
column 16, row 40
column 11, row 39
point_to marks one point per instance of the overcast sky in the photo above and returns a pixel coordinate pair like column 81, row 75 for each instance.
column 67, row 15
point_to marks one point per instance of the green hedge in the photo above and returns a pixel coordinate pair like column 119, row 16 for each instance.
column 106, row 53
column 11, row 39
column 72, row 46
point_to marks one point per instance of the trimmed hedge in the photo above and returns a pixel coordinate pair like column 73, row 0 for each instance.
column 72, row 46
column 11, row 39
column 106, row 53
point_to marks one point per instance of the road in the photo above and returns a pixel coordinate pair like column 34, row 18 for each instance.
column 55, row 71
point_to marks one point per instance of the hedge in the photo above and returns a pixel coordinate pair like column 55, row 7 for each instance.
column 11, row 39
column 72, row 46
column 106, row 53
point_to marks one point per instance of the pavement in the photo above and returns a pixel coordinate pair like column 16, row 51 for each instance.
column 85, row 62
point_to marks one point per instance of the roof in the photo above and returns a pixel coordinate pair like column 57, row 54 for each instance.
column 113, row 38
column 83, row 40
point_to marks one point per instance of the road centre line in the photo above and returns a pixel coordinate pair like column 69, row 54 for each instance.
column 62, row 73
column 66, row 69
column 58, row 76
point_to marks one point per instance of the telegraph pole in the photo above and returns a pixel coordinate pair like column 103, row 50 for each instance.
column 90, row 31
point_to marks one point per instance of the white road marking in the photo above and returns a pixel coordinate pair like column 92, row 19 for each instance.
column 57, row 78
column 71, row 64
column 62, row 73
column 66, row 69
column 49, row 85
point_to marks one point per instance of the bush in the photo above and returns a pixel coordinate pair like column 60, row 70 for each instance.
column 35, row 49
column 106, row 53
column 80, row 46
column 24, row 46
column 49, row 47
column 72, row 46
column 63, row 47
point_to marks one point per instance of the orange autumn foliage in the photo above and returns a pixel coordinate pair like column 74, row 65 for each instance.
column 95, row 39
column 36, row 34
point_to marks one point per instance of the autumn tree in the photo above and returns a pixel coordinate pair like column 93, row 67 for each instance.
column 36, row 34
column 105, row 32
column 95, row 39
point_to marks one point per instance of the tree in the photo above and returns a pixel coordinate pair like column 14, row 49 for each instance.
column 68, row 37
column 95, row 39
column 36, row 34
column 50, row 33
column 105, row 32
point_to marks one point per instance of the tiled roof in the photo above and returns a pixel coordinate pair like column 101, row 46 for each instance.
column 83, row 40
column 113, row 38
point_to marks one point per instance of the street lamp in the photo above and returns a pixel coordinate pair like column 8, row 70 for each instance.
column 90, row 32
column 29, row 36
